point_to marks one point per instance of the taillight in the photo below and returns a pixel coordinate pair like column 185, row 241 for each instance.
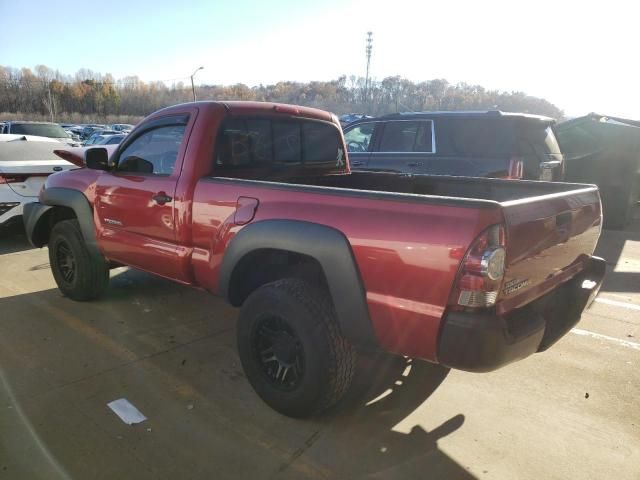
column 480, row 275
column 516, row 168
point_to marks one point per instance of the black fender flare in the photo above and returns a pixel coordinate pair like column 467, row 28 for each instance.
column 329, row 247
column 36, row 215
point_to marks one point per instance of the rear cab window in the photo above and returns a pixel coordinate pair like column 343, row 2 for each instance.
column 273, row 147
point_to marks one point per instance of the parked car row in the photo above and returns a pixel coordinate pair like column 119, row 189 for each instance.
column 348, row 118
column 86, row 132
column 72, row 134
column 104, row 137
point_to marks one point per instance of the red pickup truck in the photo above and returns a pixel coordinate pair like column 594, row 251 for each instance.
column 255, row 202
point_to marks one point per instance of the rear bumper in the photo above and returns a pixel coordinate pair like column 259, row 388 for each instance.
column 481, row 342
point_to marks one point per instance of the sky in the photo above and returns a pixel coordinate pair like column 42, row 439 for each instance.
column 580, row 55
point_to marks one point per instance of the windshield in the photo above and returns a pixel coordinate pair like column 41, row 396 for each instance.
column 39, row 129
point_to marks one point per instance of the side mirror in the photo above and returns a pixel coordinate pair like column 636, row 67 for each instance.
column 97, row 158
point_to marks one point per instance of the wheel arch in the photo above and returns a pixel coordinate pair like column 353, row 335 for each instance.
column 300, row 249
column 58, row 204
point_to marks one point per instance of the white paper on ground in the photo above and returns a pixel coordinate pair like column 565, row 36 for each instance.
column 126, row 411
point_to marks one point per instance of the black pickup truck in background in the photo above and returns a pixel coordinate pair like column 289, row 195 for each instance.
column 605, row 151
column 472, row 144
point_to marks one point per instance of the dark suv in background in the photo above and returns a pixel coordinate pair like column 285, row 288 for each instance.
column 472, row 144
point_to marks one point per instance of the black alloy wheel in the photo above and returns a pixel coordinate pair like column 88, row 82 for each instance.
column 280, row 353
column 66, row 261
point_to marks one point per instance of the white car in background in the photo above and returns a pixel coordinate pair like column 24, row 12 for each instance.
column 40, row 129
column 25, row 162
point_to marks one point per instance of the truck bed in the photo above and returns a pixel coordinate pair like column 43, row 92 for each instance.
column 552, row 228
column 450, row 187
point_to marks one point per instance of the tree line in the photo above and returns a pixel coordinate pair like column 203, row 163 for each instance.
column 44, row 93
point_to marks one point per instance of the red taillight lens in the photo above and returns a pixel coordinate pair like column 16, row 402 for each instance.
column 480, row 275
column 516, row 168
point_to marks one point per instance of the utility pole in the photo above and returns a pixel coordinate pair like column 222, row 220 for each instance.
column 50, row 101
column 193, row 88
column 369, row 47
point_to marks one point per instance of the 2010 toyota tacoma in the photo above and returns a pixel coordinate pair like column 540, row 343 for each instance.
column 255, row 202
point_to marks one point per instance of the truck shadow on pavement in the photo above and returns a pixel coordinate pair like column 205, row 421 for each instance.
column 13, row 240
column 367, row 429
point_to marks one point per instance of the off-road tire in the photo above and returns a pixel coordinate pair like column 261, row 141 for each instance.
column 329, row 359
column 90, row 276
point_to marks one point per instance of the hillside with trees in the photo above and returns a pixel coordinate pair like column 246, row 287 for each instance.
column 43, row 93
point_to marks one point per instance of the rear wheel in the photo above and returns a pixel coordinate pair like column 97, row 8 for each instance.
column 291, row 348
column 79, row 274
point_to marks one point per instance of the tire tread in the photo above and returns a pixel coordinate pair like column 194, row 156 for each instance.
column 93, row 273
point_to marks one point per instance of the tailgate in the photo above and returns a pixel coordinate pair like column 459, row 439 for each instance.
column 549, row 240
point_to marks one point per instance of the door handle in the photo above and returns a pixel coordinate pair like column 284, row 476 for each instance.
column 414, row 164
column 357, row 163
column 161, row 198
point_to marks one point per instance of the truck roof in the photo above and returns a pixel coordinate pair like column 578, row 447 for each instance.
column 255, row 108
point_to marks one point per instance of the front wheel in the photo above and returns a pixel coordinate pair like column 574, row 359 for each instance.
column 80, row 275
column 291, row 348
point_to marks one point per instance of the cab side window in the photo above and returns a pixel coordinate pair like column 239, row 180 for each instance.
column 154, row 152
column 274, row 143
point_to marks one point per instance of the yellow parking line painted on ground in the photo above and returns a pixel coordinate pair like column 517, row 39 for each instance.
column 86, row 329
